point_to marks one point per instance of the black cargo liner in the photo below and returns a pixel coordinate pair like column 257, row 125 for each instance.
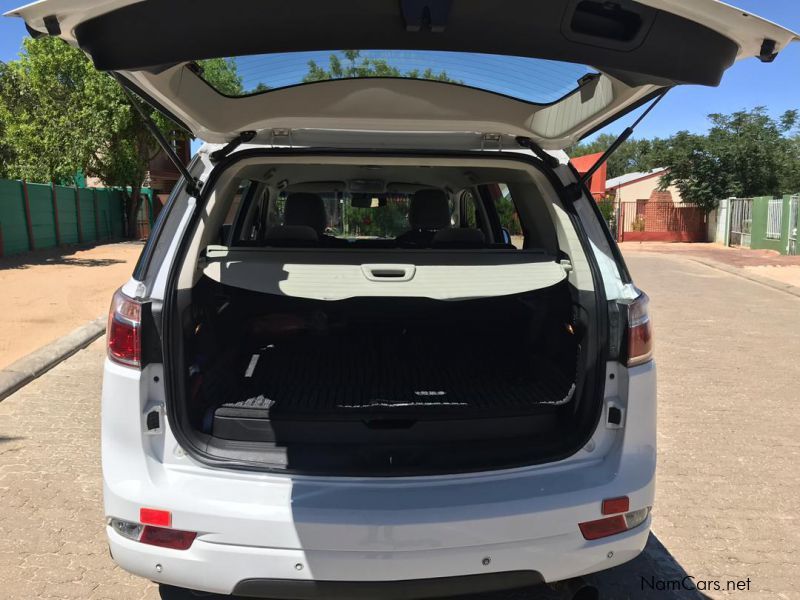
column 397, row 385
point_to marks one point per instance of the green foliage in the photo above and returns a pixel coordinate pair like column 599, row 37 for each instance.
column 747, row 154
column 223, row 74
column 634, row 155
column 608, row 208
column 60, row 116
column 47, row 125
column 507, row 214
column 384, row 221
column 351, row 64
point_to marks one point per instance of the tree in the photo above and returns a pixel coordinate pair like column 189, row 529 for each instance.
column 47, row 123
column 354, row 65
column 746, row 153
column 633, row 155
column 62, row 116
column 122, row 155
column 223, row 74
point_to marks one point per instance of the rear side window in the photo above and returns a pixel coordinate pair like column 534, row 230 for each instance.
column 502, row 214
column 508, row 215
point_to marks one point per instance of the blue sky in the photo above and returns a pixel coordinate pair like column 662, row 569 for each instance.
column 746, row 85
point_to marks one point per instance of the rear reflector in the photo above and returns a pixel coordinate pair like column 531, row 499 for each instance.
column 167, row 538
column 594, row 530
column 152, row 516
column 124, row 331
column 615, row 506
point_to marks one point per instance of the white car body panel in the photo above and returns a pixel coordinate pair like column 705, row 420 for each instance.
column 257, row 525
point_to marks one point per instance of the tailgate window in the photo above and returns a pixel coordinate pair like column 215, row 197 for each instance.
column 533, row 80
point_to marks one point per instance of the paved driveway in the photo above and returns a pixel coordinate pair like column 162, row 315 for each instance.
column 728, row 481
column 48, row 293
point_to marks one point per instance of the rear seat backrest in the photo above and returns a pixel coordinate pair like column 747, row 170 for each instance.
column 288, row 236
column 428, row 212
column 459, row 238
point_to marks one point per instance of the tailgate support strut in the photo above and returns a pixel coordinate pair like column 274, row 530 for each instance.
column 620, row 140
column 192, row 184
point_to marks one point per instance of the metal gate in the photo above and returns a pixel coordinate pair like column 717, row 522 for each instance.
column 774, row 218
column 792, row 246
column 741, row 221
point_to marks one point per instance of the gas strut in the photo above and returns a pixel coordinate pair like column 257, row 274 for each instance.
column 192, row 184
column 621, row 139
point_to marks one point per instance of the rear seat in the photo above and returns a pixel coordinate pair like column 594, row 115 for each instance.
column 428, row 213
column 459, row 239
column 291, row 236
column 304, row 225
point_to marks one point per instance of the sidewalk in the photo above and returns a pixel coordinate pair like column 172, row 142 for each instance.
column 756, row 264
column 48, row 294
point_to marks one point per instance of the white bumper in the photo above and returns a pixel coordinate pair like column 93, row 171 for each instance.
column 258, row 526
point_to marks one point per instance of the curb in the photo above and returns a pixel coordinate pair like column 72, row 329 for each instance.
column 26, row 369
column 739, row 272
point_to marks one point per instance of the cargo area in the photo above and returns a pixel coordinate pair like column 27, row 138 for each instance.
column 371, row 380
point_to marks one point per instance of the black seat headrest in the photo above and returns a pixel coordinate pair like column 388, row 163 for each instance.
column 429, row 209
column 305, row 209
column 291, row 236
column 459, row 238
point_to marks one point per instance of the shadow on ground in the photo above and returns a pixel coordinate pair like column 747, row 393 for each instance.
column 653, row 575
column 13, row 438
column 63, row 255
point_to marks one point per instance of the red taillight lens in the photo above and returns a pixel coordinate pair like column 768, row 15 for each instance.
column 594, row 530
column 124, row 331
column 167, row 538
column 640, row 332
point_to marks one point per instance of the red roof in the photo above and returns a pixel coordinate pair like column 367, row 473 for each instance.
column 597, row 184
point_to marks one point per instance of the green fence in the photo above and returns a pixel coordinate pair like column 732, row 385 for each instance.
column 763, row 223
column 34, row 216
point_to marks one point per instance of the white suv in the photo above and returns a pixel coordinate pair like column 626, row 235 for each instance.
column 380, row 342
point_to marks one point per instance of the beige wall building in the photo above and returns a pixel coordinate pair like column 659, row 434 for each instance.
column 642, row 186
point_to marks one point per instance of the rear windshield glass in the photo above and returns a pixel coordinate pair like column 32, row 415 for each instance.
column 530, row 79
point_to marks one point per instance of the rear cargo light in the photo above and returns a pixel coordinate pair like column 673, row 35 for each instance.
column 594, row 530
column 640, row 332
column 153, row 536
column 123, row 335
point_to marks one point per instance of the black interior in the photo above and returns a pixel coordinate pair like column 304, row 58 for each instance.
column 315, row 376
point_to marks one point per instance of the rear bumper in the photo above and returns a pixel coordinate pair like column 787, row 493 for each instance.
column 274, row 572
column 294, row 537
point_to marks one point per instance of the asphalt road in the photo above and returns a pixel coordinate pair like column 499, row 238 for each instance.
column 728, row 480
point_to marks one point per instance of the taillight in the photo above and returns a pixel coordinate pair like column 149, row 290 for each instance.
column 640, row 332
column 124, row 336
column 163, row 537
column 594, row 530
